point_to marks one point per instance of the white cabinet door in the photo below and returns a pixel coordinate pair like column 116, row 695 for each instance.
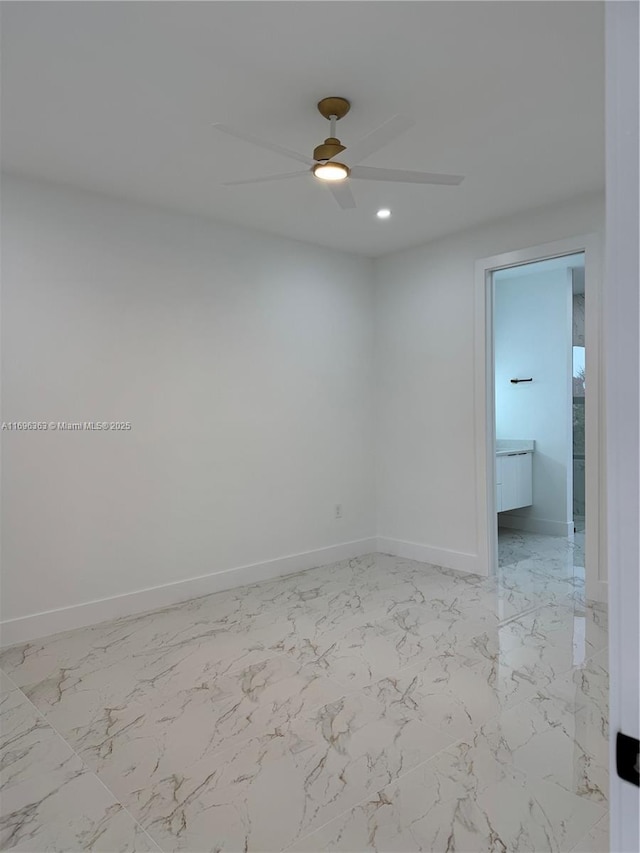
column 515, row 481
column 509, row 482
column 524, row 479
column 498, row 483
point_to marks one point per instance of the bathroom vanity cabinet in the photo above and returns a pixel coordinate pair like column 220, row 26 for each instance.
column 514, row 480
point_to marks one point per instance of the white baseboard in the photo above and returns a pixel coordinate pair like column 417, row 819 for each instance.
column 26, row 628
column 536, row 525
column 458, row 560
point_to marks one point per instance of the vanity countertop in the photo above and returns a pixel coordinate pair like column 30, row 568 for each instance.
column 505, row 446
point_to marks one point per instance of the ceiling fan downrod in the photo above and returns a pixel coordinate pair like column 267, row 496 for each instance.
column 333, row 109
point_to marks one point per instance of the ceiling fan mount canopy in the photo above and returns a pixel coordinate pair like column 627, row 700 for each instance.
column 337, row 107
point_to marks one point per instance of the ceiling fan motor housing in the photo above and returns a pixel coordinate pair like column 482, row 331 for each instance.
column 329, row 148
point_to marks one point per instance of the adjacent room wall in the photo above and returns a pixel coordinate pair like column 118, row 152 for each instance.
column 426, row 445
column 243, row 363
column 532, row 338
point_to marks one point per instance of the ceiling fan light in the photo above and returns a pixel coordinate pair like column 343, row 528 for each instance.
column 331, row 171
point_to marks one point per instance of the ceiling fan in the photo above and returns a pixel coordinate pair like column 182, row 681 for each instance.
column 324, row 165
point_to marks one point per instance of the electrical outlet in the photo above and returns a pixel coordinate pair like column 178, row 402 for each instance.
column 338, row 510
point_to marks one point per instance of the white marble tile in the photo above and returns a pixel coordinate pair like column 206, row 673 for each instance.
column 26, row 740
column 452, row 630
column 516, row 663
column 300, row 627
column 464, row 802
column 551, row 641
column 376, row 703
column 202, row 617
column 52, row 676
column 139, row 647
column 583, row 687
column 537, row 816
column 596, row 840
column 170, row 731
column 533, row 650
column 456, row 606
column 515, row 546
column 270, row 791
column 371, row 651
column 441, row 590
column 306, row 587
column 551, row 741
column 454, row 693
column 199, row 621
column 49, row 801
column 592, row 682
column 447, row 595
column 547, row 576
column 408, row 570
column 6, row 685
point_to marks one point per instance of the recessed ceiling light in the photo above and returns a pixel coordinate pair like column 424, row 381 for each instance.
column 383, row 213
column 331, row 171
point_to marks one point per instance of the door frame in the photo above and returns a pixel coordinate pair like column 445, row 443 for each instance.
column 621, row 334
column 595, row 518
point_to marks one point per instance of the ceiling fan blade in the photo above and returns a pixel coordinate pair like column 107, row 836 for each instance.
column 375, row 140
column 401, row 175
column 342, row 194
column 268, row 178
column 270, row 146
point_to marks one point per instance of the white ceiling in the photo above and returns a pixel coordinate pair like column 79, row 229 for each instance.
column 120, row 97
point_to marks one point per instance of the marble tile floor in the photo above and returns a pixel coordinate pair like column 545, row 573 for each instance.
column 373, row 704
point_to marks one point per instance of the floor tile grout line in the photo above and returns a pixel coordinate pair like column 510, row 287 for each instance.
column 374, row 793
column 83, row 762
column 525, row 775
column 605, row 816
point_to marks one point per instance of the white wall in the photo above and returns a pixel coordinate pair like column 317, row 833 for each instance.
column 243, row 362
column 246, row 365
column 428, row 490
column 532, row 337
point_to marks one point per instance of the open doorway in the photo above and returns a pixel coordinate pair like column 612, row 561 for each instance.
column 539, row 385
column 538, row 344
column 586, row 280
